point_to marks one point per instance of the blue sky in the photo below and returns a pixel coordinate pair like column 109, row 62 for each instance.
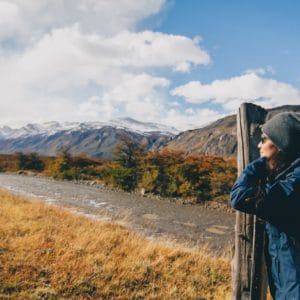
column 179, row 63
column 241, row 35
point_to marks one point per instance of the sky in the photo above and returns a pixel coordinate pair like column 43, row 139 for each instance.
column 175, row 62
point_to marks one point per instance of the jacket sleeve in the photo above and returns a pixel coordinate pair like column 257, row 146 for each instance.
column 248, row 190
column 274, row 202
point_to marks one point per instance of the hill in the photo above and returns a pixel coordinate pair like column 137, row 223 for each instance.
column 218, row 138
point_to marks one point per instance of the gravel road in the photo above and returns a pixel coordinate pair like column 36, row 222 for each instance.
column 154, row 218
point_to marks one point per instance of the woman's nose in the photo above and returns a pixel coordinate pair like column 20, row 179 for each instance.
column 259, row 145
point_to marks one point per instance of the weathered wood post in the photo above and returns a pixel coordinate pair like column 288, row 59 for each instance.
column 248, row 266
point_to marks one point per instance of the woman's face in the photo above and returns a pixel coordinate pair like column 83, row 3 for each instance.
column 267, row 148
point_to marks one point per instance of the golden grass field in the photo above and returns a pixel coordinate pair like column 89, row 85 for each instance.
column 49, row 253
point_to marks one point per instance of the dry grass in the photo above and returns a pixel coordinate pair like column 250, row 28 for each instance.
column 48, row 253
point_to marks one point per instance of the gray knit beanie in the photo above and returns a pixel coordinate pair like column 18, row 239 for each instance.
column 284, row 131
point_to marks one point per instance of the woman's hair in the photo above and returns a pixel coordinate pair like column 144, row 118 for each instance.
column 282, row 161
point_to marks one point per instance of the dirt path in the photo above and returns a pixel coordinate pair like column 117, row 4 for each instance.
column 156, row 218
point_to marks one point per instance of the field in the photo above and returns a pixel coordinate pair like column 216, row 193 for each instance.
column 49, row 253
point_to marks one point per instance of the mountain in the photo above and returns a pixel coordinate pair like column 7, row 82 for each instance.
column 50, row 128
column 96, row 139
column 218, row 138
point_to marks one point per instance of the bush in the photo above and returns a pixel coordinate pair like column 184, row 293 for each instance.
column 29, row 162
column 65, row 166
column 8, row 163
column 196, row 173
column 160, row 172
column 126, row 171
column 124, row 178
column 168, row 172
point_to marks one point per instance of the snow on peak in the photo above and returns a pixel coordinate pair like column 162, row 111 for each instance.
column 50, row 128
column 134, row 125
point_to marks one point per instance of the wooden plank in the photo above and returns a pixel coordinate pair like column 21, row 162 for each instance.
column 259, row 273
column 248, row 278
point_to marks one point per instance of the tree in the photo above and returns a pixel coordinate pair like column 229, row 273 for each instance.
column 223, row 176
column 195, row 171
column 62, row 166
column 126, row 170
column 161, row 172
column 29, row 161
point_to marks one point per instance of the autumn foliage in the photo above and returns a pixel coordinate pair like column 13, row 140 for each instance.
column 168, row 173
column 171, row 173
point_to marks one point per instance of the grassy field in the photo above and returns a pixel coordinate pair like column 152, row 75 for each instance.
column 48, row 253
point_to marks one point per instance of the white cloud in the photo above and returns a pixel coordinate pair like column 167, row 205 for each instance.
column 9, row 15
column 41, row 80
column 30, row 109
column 231, row 92
column 138, row 96
column 155, row 49
column 261, row 71
column 33, row 18
column 190, row 118
column 96, row 107
column 66, row 58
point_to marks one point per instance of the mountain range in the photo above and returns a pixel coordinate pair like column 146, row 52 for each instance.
column 98, row 139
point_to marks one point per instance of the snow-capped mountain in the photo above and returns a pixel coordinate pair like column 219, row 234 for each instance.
column 97, row 139
column 51, row 128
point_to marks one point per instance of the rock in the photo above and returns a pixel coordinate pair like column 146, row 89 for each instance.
column 142, row 191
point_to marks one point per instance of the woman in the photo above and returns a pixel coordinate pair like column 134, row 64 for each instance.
column 269, row 187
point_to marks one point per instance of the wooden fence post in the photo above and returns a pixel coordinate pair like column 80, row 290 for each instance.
column 248, row 266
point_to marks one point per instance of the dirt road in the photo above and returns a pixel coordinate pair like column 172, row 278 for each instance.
column 154, row 218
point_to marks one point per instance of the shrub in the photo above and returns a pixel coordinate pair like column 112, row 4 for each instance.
column 126, row 170
column 161, row 172
column 29, row 161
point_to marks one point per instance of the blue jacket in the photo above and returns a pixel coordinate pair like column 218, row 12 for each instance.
column 277, row 202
